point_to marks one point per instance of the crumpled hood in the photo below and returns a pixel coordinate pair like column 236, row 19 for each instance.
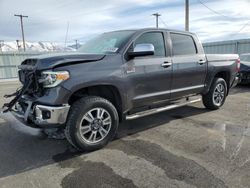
column 244, row 66
column 43, row 62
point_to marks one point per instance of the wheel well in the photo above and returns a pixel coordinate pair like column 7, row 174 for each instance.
column 108, row 92
column 226, row 76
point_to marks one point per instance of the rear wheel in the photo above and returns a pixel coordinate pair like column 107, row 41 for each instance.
column 92, row 123
column 216, row 96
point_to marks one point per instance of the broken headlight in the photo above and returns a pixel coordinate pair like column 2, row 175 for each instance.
column 53, row 78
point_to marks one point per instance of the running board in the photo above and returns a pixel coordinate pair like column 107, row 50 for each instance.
column 161, row 109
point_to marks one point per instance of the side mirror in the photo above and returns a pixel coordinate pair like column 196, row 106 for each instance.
column 142, row 50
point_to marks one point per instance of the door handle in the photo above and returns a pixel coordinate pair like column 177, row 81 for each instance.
column 166, row 64
column 201, row 61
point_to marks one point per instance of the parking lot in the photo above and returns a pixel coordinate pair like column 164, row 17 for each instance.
column 185, row 147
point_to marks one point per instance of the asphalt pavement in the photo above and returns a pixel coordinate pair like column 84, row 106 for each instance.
column 185, row 147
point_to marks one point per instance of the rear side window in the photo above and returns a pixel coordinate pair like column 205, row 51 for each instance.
column 155, row 38
column 183, row 44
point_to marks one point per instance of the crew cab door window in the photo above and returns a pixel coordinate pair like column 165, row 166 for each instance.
column 155, row 38
column 188, row 75
column 183, row 44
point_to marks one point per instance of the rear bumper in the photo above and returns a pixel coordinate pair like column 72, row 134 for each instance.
column 244, row 78
column 41, row 116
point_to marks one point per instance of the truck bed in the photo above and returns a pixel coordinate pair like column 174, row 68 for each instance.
column 221, row 57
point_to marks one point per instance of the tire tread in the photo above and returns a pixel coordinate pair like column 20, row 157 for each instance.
column 207, row 98
column 74, row 112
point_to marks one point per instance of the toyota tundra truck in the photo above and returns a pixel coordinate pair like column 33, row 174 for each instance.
column 117, row 76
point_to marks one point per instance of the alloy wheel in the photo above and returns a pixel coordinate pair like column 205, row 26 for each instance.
column 219, row 94
column 95, row 125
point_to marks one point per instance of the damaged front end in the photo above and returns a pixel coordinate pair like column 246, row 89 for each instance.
column 24, row 105
column 27, row 76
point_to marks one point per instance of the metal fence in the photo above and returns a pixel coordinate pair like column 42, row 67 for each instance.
column 9, row 62
column 228, row 47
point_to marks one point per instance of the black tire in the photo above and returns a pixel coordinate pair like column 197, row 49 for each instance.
column 78, row 114
column 208, row 99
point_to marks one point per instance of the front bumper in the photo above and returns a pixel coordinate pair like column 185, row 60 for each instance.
column 51, row 114
column 41, row 116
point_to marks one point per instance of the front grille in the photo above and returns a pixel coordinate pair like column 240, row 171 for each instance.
column 27, row 66
column 25, row 71
column 27, row 75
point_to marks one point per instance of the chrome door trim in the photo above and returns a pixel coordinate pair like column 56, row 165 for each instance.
column 152, row 94
column 187, row 88
column 168, row 91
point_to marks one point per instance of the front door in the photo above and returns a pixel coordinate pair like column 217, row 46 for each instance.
column 150, row 76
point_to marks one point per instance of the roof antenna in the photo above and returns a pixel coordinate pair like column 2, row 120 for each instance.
column 66, row 36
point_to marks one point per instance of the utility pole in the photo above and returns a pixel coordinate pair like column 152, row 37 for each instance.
column 66, row 36
column 187, row 15
column 76, row 44
column 21, row 19
column 17, row 44
column 156, row 17
column 1, row 45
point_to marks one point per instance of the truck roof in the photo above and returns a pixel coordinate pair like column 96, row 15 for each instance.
column 153, row 28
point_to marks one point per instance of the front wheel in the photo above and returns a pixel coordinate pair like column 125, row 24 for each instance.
column 216, row 96
column 92, row 123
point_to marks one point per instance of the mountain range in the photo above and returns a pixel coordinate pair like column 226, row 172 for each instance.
column 13, row 46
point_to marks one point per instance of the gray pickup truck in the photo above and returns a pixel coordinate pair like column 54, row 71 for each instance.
column 117, row 76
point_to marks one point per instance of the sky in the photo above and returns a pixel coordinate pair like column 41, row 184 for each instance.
column 48, row 20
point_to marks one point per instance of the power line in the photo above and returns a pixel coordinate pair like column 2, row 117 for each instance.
column 212, row 10
column 21, row 19
column 156, row 18
column 218, row 13
column 243, row 27
column 163, row 22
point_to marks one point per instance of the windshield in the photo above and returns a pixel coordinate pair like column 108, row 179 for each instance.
column 106, row 43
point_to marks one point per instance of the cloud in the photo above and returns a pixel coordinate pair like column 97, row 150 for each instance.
column 48, row 18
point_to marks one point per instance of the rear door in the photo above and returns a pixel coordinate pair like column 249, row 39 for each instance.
column 150, row 79
column 189, row 66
